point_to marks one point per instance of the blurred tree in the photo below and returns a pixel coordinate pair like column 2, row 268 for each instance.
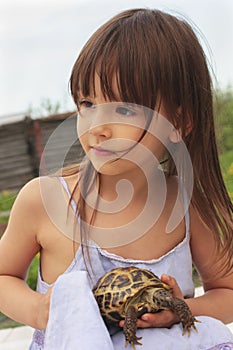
column 223, row 108
column 47, row 107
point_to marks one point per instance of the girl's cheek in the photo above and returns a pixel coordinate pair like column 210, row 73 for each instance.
column 83, row 142
column 82, row 128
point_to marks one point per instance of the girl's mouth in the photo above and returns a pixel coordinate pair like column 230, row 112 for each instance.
column 99, row 151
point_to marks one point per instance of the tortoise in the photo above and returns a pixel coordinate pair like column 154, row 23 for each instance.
column 129, row 292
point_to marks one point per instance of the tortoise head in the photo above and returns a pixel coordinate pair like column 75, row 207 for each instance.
column 156, row 298
column 160, row 298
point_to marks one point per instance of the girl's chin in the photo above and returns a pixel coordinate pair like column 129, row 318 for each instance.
column 107, row 169
column 116, row 167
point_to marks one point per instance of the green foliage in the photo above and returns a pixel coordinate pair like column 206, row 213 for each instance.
column 7, row 199
column 226, row 160
column 223, row 107
column 224, row 117
column 32, row 274
column 47, row 107
column 3, row 220
column 6, row 322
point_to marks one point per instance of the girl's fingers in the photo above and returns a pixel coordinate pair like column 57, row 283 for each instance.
column 165, row 318
column 153, row 320
column 171, row 281
column 162, row 319
column 121, row 323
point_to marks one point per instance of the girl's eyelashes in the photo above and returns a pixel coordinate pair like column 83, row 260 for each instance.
column 114, row 108
column 125, row 111
column 85, row 104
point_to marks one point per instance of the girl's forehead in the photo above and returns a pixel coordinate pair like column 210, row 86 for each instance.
column 99, row 96
column 96, row 88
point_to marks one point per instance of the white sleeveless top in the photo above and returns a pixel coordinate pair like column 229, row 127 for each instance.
column 177, row 262
column 213, row 335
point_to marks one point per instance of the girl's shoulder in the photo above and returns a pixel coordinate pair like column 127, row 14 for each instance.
column 23, row 226
column 43, row 198
column 32, row 192
column 35, row 190
column 28, row 196
column 31, row 199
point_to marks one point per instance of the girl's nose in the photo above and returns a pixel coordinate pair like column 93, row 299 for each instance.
column 102, row 130
column 100, row 126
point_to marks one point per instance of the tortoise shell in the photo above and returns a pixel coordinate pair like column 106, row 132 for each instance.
column 116, row 287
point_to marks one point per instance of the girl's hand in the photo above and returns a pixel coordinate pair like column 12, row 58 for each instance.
column 43, row 309
column 166, row 318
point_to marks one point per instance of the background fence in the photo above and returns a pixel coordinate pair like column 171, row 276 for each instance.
column 22, row 145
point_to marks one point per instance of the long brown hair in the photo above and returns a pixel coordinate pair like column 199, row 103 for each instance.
column 153, row 54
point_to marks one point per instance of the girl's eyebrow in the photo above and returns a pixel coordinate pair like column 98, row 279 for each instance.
column 82, row 96
column 131, row 104
column 134, row 106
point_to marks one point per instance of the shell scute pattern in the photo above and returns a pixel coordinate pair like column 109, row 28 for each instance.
column 129, row 292
column 117, row 286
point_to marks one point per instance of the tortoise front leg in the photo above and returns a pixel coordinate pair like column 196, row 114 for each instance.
column 185, row 315
column 130, row 327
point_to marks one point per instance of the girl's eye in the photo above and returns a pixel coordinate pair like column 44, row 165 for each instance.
column 85, row 104
column 125, row 111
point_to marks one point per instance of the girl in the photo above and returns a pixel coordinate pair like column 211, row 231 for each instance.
column 145, row 121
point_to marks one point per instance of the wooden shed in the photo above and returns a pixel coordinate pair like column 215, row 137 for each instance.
column 29, row 148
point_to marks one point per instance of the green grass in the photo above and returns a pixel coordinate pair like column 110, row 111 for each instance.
column 7, row 199
column 6, row 322
column 32, row 274
column 226, row 160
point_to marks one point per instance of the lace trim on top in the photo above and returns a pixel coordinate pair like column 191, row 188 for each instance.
column 225, row 346
column 113, row 256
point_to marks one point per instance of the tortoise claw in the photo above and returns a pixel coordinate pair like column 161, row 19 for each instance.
column 187, row 327
column 134, row 341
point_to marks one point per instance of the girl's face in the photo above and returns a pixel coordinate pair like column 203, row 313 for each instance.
column 113, row 135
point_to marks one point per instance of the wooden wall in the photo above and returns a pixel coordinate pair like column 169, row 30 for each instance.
column 32, row 147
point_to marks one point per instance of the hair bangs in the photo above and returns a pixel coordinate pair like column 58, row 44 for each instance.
column 125, row 63
column 142, row 57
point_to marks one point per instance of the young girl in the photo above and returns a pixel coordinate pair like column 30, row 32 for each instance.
column 145, row 121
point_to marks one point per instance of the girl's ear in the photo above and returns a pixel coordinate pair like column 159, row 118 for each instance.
column 176, row 134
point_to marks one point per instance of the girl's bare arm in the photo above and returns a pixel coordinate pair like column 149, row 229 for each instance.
column 18, row 246
column 218, row 285
column 217, row 301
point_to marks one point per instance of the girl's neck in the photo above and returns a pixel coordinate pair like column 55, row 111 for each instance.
column 125, row 185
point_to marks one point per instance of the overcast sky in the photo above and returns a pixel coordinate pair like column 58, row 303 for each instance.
column 40, row 40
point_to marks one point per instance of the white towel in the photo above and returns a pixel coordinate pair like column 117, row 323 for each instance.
column 75, row 321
